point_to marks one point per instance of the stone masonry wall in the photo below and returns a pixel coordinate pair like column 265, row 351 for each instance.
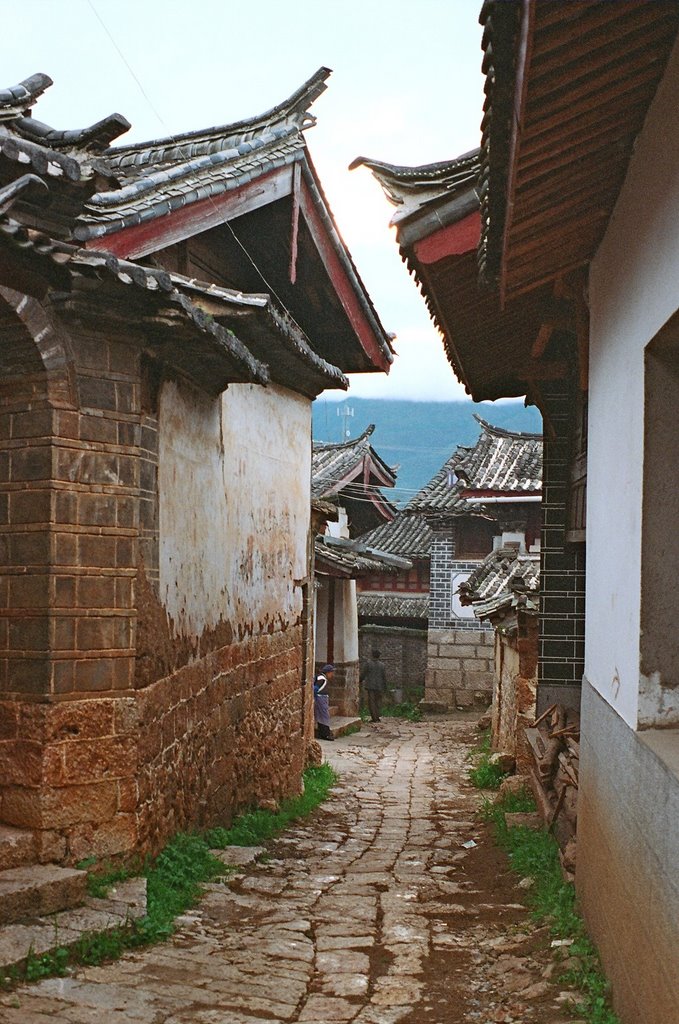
column 69, row 437
column 221, row 734
column 515, row 690
column 404, row 653
column 460, row 650
column 114, row 732
column 460, row 665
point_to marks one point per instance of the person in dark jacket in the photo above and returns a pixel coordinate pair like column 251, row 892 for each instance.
column 374, row 676
column 322, row 703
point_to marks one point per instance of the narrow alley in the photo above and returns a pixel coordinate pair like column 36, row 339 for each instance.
column 376, row 910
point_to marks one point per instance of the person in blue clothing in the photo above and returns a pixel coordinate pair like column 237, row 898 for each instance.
column 322, row 703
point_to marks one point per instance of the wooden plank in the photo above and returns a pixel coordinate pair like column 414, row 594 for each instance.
column 294, row 230
column 641, row 88
column 577, row 64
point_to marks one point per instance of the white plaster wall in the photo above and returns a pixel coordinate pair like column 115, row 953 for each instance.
column 633, row 292
column 234, row 498
column 346, row 621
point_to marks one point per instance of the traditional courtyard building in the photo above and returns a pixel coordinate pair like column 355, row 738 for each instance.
column 576, row 238
column 505, row 591
column 481, row 495
column 393, row 607
column 168, row 312
column 348, row 476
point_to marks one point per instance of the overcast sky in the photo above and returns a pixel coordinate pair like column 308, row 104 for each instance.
column 406, row 88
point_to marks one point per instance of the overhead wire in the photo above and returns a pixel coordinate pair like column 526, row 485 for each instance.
column 174, row 137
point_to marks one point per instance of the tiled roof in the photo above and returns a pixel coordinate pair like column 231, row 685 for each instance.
column 568, row 86
column 501, row 463
column 165, row 174
column 351, row 559
column 216, row 355
column 505, row 579
column 270, row 335
column 412, row 189
column 342, row 467
column 393, row 606
column 406, row 535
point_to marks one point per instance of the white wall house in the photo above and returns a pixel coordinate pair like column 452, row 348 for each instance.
column 628, row 828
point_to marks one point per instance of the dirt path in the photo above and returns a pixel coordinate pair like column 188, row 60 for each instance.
column 375, row 912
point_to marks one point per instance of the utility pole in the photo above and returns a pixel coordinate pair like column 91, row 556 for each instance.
column 345, row 413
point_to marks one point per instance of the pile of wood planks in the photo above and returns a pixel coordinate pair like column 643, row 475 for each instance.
column 554, row 742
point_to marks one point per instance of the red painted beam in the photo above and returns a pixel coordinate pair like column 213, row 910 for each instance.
column 454, row 240
column 343, row 286
column 190, row 220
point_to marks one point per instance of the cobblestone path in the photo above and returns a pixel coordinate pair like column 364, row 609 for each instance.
column 373, row 912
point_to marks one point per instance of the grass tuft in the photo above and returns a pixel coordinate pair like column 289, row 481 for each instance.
column 535, row 854
column 485, row 774
column 174, row 881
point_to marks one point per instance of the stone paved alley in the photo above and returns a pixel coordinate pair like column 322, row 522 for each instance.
column 373, row 912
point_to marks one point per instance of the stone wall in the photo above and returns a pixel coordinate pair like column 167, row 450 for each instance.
column 460, row 649
column 460, row 667
column 221, row 734
column 120, row 722
column 404, row 653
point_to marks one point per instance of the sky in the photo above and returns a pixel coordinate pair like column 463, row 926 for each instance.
column 406, row 88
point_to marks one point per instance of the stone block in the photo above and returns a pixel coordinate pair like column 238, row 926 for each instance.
column 39, row 889
column 17, row 847
column 79, row 720
column 87, row 761
column 20, row 762
column 58, row 807
column 119, row 835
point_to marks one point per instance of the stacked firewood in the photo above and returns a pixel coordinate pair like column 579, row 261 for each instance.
column 555, row 743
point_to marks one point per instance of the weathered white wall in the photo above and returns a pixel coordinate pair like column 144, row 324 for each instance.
column 234, row 500
column 633, row 292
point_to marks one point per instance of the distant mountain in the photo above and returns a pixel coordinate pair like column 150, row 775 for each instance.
column 417, row 437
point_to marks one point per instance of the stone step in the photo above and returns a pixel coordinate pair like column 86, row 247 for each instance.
column 17, row 847
column 37, row 889
column 125, row 903
column 341, row 725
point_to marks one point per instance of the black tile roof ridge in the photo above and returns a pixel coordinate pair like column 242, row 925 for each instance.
column 97, row 136
column 351, row 443
column 27, row 185
column 43, row 160
column 520, row 435
column 435, row 171
column 220, row 292
column 293, row 337
column 25, row 93
column 297, row 104
column 181, row 168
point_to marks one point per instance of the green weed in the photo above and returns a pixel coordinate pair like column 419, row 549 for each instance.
column 535, row 854
column 484, row 774
column 174, row 881
column 406, row 709
column 47, row 964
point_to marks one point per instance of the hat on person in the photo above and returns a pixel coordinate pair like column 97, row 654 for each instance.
column 327, row 668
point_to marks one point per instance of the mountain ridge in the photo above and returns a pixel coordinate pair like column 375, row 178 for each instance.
column 417, row 437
